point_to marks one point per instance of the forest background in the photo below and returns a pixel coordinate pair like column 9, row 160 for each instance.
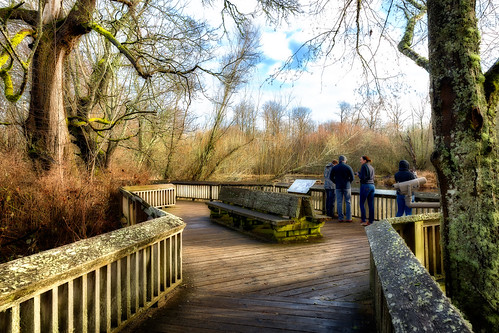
column 133, row 124
column 100, row 93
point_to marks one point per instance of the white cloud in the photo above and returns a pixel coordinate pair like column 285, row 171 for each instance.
column 275, row 45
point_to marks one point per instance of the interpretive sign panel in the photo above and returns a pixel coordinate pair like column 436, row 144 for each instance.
column 301, row 186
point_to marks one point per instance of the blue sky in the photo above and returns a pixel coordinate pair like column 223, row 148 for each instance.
column 320, row 88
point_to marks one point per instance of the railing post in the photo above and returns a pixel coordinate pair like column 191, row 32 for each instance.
column 324, row 202
column 419, row 241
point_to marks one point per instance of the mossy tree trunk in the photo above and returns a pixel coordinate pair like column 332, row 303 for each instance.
column 464, row 106
column 46, row 126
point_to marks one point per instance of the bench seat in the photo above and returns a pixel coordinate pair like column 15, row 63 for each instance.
column 280, row 217
column 264, row 217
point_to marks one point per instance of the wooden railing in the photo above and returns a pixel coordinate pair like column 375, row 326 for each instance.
column 385, row 200
column 157, row 195
column 98, row 284
column 406, row 298
column 137, row 207
column 421, row 234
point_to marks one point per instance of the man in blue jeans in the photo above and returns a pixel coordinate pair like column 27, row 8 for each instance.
column 329, row 188
column 342, row 176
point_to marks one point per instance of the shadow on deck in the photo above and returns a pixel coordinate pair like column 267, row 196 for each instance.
column 233, row 283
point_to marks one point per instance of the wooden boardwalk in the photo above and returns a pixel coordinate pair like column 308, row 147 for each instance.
column 233, row 283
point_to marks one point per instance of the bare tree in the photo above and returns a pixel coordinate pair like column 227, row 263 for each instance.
column 301, row 121
column 346, row 111
column 245, row 117
column 235, row 74
column 273, row 114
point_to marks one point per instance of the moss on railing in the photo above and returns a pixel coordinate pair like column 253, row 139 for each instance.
column 22, row 278
column 421, row 234
column 406, row 298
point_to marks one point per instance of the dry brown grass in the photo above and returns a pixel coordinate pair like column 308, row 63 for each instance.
column 430, row 185
column 39, row 212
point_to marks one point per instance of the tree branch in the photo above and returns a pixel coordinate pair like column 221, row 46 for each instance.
column 169, row 69
column 81, row 121
column 491, row 84
column 405, row 45
column 14, row 12
column 9, row 53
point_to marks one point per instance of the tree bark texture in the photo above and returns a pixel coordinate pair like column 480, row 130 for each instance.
column 466, row 160
column 46, row 125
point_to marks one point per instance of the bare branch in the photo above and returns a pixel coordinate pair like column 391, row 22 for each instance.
column 14, row 12
column 9, row 53
column 405, row 45
column 135, row 62
column 125, row 2
column 80, row 121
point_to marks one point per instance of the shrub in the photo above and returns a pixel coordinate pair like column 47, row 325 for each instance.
column 43, row 211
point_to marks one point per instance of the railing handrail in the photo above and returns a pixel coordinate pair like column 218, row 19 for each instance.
column 25, row 277
column 381, row 192
column 96, row 284
column 406, row 298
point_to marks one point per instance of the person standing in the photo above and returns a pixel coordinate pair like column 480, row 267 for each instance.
column 403, row 175
column 366, row 176
column 342, row 176
column 329, row 188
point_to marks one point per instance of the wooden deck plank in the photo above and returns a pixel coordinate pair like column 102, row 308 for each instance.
column 234, row 283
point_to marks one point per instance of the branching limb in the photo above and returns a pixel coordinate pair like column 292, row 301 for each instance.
column 491, row 85
column 14, row 12
column 9, row 50
column 405, row 45
column 118, row 139
column 365, row 63
column 125, row 2
column 9, row 53
column 81, row 121
column 135, row 62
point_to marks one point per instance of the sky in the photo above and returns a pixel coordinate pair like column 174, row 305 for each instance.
column 320, row 88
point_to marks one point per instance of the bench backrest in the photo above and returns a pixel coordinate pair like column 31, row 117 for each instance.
column 283, row 204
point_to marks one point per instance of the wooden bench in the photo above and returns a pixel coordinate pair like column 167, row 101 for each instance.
column 280, row 217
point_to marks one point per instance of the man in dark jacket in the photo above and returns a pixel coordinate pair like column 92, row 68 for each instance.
column 342, row 176
column 403, row 175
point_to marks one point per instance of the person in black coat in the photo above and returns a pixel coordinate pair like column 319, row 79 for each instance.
column 342, row 176
column 403, row 175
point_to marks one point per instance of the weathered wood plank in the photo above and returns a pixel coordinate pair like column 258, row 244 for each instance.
column 273, row 219
column 237, row 284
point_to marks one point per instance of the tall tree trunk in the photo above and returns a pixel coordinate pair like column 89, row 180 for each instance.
column 466, row 161
column 46, row 123
column 46, row 127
